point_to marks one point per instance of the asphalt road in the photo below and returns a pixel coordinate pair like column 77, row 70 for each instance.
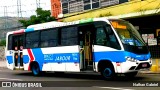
column 77, row 81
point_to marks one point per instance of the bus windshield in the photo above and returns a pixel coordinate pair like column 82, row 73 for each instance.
column 127, row 33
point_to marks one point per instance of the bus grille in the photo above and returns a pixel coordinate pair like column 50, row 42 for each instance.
column 140, row 66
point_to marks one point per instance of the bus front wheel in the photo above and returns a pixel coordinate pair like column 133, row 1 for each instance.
column 35, row 69
column 108, row 73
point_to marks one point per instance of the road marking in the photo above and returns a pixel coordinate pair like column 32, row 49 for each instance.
column 11, row 79
column 116, row 88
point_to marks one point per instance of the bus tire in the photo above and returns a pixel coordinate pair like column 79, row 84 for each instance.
column 59, row 73
column 107, row 73
column 35, row 69
column 131, row 74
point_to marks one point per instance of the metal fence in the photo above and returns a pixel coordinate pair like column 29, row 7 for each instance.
column 155, row 51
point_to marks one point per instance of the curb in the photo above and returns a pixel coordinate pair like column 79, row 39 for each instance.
column 3, row 68
column 149, row 72
column 3, row 64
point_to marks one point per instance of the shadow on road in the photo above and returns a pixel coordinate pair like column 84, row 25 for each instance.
column 84, row 76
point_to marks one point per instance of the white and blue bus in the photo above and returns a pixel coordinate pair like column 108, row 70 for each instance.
column 108, row 46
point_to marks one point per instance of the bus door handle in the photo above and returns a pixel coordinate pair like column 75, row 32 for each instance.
column 16, row 51
column 81, row 50
column 9, row 62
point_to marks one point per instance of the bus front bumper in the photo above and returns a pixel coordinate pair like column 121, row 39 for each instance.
column 129, row 66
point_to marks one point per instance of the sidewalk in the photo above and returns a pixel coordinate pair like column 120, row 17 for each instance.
column 3, row 64
column 150, row 72
column 155, row 67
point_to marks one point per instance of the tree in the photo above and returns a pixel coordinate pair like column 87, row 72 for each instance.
column 2, row 42
column 41, row 17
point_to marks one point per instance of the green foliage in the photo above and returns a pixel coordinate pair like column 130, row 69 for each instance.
column 105, row 14
column 41, row 17
column 3, row 42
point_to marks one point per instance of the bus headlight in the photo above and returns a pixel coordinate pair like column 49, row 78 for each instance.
column 150, row 60
column 130, row 59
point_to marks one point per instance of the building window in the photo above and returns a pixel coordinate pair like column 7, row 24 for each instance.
column 65, row 11
column 64, row 5
column 88, row 6
column 86, row 1
column 95, row 5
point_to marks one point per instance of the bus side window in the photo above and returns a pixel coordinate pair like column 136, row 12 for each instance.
column 106, row 39
column 112, row 38
column 69, row 36
column 101, row 38
column 10, row 42
column 49, row 38
column 32, row 39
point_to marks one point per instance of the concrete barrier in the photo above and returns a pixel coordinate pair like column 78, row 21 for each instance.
column 155, row 66
column 3, row 64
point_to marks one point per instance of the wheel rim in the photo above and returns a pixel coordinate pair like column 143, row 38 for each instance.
column 35, row 70
column 107, row 72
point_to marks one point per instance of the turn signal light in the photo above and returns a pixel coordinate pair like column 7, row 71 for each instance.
column 118, row 64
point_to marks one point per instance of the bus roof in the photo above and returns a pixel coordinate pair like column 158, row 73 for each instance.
column 59, row 24
column 45, row 24
column 55, row 24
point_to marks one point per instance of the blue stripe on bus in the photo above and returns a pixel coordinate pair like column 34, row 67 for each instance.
column 25, row 59
column 113, row 56
column 38, row 55
column 54, row 58
column 29, row 29
column 61, row 57
column 142, row 57
column 118, row 56
column 10, row 59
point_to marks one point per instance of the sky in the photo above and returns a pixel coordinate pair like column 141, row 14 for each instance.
column 28, row 7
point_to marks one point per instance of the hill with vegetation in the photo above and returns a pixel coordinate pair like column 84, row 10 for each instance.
column 9, row 24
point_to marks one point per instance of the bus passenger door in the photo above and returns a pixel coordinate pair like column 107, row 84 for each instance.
column 18, row 52
column 86, row 41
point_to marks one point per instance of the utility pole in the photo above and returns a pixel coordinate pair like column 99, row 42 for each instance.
column 38, row 3
column 20, row 8
column 19, row 11
column 5, row 17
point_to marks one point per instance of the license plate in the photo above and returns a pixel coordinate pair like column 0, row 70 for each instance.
column 144, row 65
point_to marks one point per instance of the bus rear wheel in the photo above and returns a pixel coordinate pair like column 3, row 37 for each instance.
column 35, row 69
